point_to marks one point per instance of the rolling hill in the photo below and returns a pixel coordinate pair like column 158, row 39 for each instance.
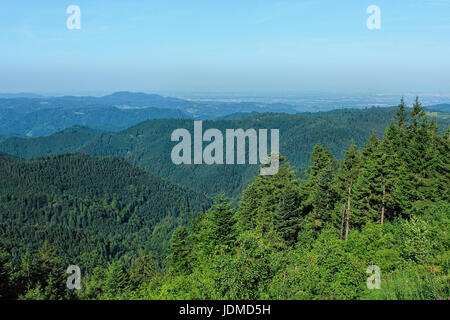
column 147, row 145
column 34, row 116
column 92, row 209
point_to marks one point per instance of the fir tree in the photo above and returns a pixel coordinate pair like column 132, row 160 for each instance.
column 116, row 281
column 287, row 218
column 222, row 222
column 261, row 198
column 318, row 192
column 347, row 176
column 179, row 251
column 416, row 114
column 401, row 115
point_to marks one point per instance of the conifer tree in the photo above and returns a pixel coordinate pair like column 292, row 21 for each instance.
column 222, row 222
column 347, row 176
column 388, row 166
column 287, row 218
column 442, row 166
column 367, row 188
column 116, row 281
column 416, row 114
column 143, row 268
column 215, row 229
column 401, row 115
column 51, row 272
column 27, row 274
column 318, row 191
column 261, row 198
column 418, row 162
column 179, row 251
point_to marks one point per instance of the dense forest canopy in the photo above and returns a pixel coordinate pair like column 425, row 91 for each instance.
column 292, row 236
column 91, row 210
column 148, row 144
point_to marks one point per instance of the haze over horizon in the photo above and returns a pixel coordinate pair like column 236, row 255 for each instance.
column 279, row 47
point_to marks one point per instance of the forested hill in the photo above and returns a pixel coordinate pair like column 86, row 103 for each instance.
column 382, row 207
column 69, row 140
column 148, row 144
column 444, row 107
column 47, row 121
column 34, row 116
column 91, row 209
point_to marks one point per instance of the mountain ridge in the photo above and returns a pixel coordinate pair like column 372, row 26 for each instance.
column 148, row 144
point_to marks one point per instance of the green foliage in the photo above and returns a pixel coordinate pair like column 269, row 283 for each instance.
column 413, row 284
column 314, row 238
column 417, row 244
column 91, row 210
column 308, row 237
column 116, row 281
column 215, row 230
column 179, row 251
column 4, row 275
column 287, row 219
column 148, row 144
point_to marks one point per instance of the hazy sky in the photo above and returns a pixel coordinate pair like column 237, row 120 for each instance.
column 224, row 46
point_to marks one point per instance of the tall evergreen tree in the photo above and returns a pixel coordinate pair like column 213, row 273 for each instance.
column 417, row 113
column 401, row 115
column 116, row 281
column 287, row 219
column 367, row 189
column 318, row 192
column 179, row 251
column 261, row 198
column 347, row 176
column 222, row 222
column 51, row 272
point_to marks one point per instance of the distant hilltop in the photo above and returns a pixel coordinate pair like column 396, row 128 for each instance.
column 33, row 115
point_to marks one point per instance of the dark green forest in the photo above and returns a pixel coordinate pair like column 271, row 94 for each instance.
column 92, row 210
column 308, row 232
column 148, row 146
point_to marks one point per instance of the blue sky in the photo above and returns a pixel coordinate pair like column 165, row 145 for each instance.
column 225, row 46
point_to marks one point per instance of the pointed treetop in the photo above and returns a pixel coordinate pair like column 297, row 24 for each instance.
column 417, row 112
column 401, row 115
